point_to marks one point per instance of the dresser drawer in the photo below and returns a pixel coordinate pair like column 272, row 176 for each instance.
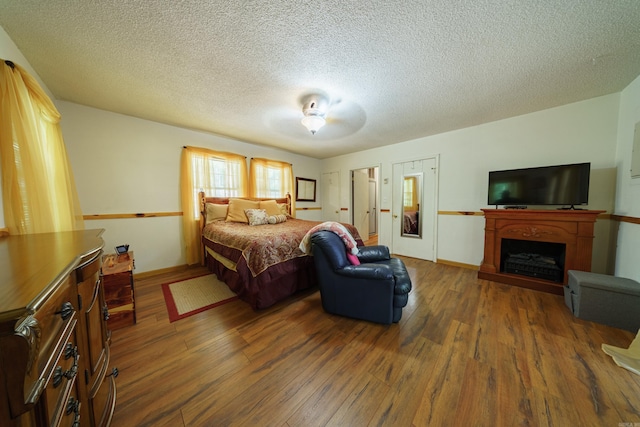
column 71, row 411
column 118, row 289
column 122, row 316
column 61, row 386
column 89, row 266
column 45, row 333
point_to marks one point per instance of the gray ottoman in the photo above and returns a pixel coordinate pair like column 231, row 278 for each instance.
column 613, row 301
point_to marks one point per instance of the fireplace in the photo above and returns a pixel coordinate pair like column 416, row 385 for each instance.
column 543, row 260
column 536, row 248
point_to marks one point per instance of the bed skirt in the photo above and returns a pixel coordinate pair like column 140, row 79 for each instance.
column 272, row 285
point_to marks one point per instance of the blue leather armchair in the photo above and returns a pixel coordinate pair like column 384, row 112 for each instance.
column 376, row 290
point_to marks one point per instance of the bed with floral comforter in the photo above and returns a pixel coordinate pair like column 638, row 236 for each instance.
column 262, row 264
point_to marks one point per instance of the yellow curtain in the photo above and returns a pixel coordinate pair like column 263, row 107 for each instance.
column 38, row 188
column 217, row 174
column 260, row 184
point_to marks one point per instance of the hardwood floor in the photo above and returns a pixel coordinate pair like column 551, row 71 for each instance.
column 466, row 352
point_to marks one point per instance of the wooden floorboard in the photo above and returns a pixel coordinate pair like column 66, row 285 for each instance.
column 466, row 352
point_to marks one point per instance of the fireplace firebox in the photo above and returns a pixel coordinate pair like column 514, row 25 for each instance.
column 535, row 248
column 544, row 260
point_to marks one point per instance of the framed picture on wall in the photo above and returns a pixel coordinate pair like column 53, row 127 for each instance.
column 305, row 190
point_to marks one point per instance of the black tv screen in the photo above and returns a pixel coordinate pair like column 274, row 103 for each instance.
column 565, row 185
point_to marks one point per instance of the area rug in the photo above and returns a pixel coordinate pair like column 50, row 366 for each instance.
column 192, row 296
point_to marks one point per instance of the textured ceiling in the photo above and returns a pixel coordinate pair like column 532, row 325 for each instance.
column 395, row 70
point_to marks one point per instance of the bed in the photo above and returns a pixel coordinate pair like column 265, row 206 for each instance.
column 262, row 264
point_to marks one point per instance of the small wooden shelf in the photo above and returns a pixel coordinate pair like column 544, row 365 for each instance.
column 117, row 275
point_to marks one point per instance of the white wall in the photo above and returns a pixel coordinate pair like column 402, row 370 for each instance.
column 628, row 190
column 127, row 165
column 579, row 132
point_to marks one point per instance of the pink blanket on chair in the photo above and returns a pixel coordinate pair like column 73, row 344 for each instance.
column 335, row 227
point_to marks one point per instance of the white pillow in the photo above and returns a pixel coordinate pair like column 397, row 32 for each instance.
column 257, row 216
column 276, row 219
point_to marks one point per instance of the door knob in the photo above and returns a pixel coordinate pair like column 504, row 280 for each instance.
column 395, row 216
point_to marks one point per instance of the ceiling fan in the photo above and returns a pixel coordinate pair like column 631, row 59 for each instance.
column 314, row 108
column 323, row 117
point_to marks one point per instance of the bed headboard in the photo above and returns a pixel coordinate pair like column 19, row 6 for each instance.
column 225, row 201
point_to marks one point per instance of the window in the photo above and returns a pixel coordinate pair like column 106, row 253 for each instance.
column 269, row 182
column 270, row 178
column 217, row 177
column 217, row 174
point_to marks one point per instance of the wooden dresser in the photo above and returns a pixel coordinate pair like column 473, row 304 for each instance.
column 54, row 342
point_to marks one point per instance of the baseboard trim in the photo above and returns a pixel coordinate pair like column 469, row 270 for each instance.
column 457, row 264
column 151, row 273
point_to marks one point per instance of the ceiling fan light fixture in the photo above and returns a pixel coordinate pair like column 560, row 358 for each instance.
column 313, row 123
column 314, row 110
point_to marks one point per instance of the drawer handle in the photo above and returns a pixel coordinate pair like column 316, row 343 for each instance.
column 66, row 310
column 114, row 373
column 73, row 405
column 58, row 374
column 70, row 351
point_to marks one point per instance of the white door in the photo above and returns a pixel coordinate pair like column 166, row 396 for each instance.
column 414, row 209
column 331, row 196
column 373, row 207
column 361, row 202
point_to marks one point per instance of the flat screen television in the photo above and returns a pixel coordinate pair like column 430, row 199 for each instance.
column 561, row 185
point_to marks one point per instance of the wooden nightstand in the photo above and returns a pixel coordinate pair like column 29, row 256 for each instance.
column 117, row 276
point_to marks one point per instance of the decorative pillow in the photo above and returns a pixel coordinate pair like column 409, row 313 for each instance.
column 283, row 209
column 270, row 206
column 257, row 216
column 237, row 208
column 353, row 259
column 276, row 219
column 215, row 212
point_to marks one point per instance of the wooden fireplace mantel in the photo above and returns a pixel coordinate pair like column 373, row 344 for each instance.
column 573, row 228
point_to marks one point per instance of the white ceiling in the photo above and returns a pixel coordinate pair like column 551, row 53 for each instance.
column 395, row 69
